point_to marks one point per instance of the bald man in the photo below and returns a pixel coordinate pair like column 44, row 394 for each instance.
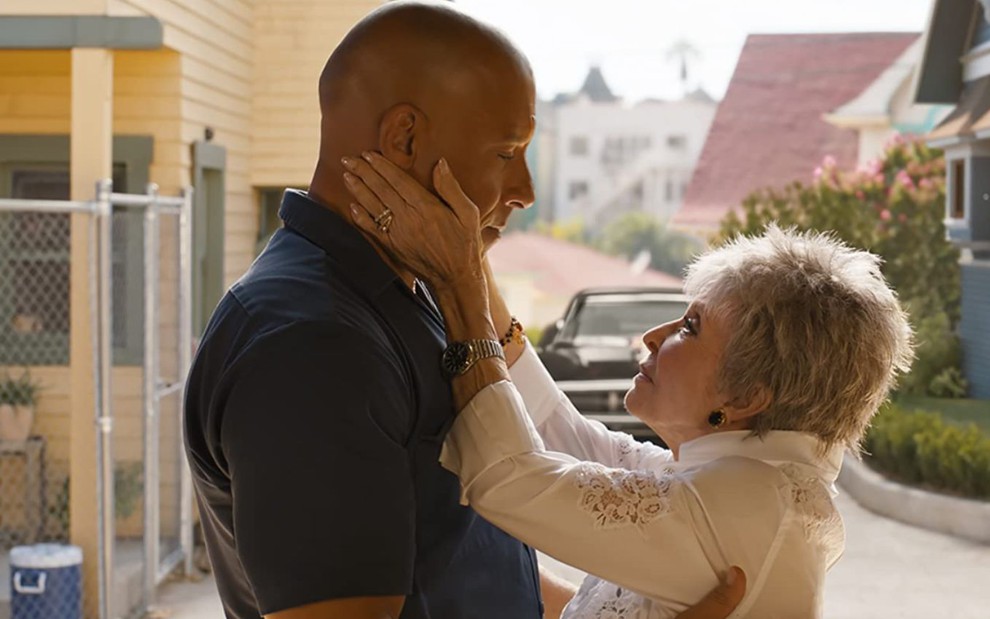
column 316, row 405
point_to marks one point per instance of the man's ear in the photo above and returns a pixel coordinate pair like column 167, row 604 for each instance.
column 756, row 401
column 400, row 133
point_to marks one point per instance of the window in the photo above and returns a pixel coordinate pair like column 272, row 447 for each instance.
column 676, row 142
column 34, row 261
column 577, row 189
column 579, row 146
column 981, row 29
column 958, row 198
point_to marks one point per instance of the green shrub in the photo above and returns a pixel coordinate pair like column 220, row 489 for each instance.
column 921, row 449
column 938, row 354
column 18, row 391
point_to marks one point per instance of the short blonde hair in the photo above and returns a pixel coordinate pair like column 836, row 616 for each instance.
column 814, row 321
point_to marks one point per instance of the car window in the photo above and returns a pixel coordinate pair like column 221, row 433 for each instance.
column 627, row 319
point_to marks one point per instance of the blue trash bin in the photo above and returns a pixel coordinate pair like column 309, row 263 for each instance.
column 46, row 582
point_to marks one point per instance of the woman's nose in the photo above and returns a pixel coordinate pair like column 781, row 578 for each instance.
column 655, row 336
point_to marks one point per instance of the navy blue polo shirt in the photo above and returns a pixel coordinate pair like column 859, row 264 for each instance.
column 314, row 415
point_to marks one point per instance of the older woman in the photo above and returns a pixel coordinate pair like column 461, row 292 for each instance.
column 790, row 344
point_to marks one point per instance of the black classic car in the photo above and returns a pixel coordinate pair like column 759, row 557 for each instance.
column 593, row 352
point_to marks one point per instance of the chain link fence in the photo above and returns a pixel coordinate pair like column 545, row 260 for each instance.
column 138, row 404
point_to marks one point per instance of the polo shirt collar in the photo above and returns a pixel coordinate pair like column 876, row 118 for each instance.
column 341, row 241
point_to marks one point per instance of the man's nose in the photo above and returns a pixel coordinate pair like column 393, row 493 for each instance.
column 519, row 191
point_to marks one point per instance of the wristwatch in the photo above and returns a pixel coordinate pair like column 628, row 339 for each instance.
column 458, row 357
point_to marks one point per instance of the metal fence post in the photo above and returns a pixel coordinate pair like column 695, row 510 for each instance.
column 185, row 361
column 105, row 480
column 152, row 503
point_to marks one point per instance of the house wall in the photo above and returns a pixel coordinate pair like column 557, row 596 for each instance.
column 35, row 99
column 213, row 43
column 974, row 327
column 292, row 41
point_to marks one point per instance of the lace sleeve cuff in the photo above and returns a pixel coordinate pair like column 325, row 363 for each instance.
column 535, row 385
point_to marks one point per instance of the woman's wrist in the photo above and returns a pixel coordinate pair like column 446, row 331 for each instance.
column 465, row 312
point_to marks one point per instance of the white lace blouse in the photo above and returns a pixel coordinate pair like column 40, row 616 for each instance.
column 653, row 533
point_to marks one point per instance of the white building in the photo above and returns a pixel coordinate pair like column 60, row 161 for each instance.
column 610, row 157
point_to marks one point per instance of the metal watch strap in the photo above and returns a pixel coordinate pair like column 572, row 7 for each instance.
column 483, row 349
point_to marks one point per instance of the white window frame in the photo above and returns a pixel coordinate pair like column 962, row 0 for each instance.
column 957, row 223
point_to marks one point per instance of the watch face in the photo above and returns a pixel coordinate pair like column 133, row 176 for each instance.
column 455, row 358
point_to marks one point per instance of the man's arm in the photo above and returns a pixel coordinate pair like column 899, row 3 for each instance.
column 350, row 608
column 312, row 434
column 557, row 592
column 718, row 604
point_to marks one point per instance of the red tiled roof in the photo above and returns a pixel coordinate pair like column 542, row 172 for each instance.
column 768, row 130
column 563, row 268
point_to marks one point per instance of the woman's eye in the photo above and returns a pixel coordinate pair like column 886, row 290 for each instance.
column 507, row 156
column 688, row 327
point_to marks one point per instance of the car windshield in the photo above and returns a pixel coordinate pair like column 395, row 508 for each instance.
column 626, row 317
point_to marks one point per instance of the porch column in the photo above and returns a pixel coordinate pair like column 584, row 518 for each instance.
column 90, row 159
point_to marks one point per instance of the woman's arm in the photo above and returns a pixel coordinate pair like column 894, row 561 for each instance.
column 650, row 532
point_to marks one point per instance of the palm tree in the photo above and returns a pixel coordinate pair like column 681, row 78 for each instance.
column 683, row 51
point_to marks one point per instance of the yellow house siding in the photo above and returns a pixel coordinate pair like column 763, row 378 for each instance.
column 51, row 7
column 293, row 39
column 34, row 91
column 213, row 41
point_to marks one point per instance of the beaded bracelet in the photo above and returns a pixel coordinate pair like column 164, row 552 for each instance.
column 514, row 334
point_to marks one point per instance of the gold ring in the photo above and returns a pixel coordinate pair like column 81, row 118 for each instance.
column 384, row 220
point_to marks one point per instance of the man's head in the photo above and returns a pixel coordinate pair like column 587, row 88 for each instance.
column 418, row 82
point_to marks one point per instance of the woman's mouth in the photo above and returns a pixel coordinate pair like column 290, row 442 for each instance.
column 644, row 374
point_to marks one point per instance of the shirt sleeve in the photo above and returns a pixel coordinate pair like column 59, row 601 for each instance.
column 313, row 434
column 566, row 430
column 652, row 532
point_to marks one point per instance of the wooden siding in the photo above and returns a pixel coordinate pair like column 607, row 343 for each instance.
column 213, row 42
column 293, row 39
column 974, row 328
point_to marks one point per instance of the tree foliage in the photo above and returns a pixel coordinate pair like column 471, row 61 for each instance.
column 894, row 207
column 634, row 233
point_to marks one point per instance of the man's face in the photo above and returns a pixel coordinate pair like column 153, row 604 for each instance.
column 484, row 138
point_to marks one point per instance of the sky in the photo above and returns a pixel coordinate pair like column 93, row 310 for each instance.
column 630, row 39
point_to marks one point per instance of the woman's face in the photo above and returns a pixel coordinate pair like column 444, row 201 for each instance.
column 675, row 391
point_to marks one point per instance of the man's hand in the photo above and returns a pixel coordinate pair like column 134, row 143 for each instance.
column 720, row 601
column 556, row 591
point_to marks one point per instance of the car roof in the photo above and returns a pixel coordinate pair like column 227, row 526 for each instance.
column 629, row 290
column 596, row 296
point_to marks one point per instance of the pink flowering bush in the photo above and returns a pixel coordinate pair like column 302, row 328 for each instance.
column 893, row 206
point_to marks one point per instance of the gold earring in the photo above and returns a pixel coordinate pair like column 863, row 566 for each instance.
column 717, row 419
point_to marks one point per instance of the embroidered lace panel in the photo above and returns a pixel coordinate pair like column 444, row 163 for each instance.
column 599, row 599
column 626, row 447
column 615, row 497
column 821, row 521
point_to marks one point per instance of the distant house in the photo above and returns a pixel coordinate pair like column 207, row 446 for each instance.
column 887, row 106
column 956, row 70
column 601, row 157
column 538, row 275
column 770, row 128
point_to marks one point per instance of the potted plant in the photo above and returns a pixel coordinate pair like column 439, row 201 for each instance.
column 17, row 401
